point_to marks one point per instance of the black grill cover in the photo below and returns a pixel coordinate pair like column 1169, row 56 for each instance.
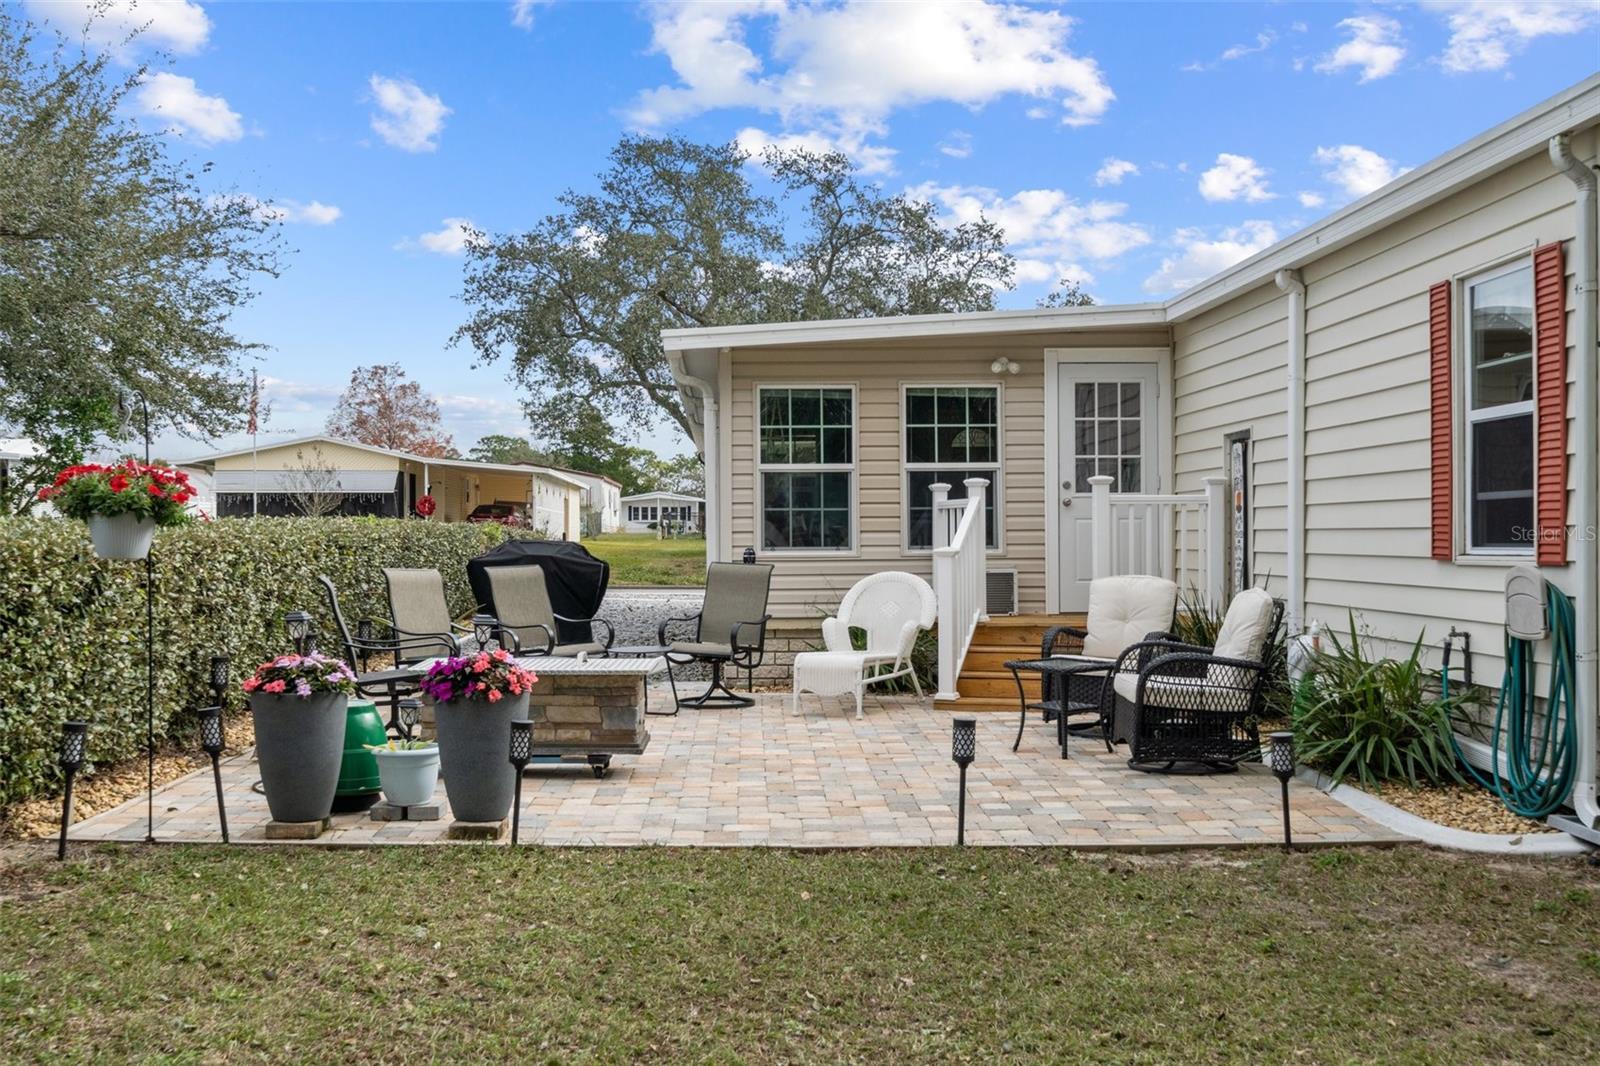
column 576, row 580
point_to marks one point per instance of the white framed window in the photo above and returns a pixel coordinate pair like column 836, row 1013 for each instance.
column 806, row 461
column 952, row 432
column 1499, row 409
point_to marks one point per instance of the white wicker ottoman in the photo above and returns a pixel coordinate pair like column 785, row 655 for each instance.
column 830, row 673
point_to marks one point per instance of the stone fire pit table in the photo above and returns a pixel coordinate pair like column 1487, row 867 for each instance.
column 590, row 707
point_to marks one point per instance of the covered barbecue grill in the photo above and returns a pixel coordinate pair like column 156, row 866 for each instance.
column 575, row 579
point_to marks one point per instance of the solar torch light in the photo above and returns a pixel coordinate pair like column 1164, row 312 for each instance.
column 749, row 555
column 74, row 737
column 211, row 742
column 1280, row 756
column 217, row 678
column 364, row 635
column 410, row 715
column 483, row 627
column 963, row 749
column 521, row 752
column 298, row 625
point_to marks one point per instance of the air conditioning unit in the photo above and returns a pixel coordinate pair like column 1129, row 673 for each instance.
column 1000, row 593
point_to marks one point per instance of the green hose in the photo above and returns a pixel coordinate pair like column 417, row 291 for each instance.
column 1539, row 770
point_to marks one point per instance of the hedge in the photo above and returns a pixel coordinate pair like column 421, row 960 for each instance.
column 72, row 625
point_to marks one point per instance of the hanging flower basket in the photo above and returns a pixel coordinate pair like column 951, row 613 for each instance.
column 123, row 504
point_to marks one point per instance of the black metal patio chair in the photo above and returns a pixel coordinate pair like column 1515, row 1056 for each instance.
column 729, row 630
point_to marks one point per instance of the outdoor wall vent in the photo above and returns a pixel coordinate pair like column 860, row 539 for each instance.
column 1000, row 595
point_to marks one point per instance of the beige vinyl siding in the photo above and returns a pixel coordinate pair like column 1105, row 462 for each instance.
column 805, row 585
column 1367, row 426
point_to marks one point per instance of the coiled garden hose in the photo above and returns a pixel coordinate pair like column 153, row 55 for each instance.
column 1539, row 768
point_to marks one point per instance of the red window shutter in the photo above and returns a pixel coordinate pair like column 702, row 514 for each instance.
column 1442, row 416
column 1550, row 404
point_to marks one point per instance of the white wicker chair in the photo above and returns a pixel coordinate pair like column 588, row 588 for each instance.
column 892, row 607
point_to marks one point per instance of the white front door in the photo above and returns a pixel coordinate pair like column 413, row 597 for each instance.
column 1107, row 425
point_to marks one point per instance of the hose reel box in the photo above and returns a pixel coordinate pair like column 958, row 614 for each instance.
column 1525, row 604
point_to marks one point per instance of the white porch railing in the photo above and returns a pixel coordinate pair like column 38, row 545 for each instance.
column 1179, row 537
column 960, row 563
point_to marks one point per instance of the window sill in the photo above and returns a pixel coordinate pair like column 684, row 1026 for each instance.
column 1494, row 559
column 807, row 553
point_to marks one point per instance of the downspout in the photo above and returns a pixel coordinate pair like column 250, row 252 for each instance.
column 710, row 446
column 1289, row 281
column 1586, row 432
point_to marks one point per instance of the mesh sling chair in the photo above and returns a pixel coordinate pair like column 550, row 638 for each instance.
column 892, row 607
column 730, row 630
column 1122, row 611
column 1189, row 709
column 385, row 685
column 417, row 609
column 525, row 620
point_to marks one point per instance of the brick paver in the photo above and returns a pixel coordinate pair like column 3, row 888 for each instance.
column 762, row 777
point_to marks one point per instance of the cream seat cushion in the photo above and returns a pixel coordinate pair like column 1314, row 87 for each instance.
column 1124, row 610
column 1179, row 693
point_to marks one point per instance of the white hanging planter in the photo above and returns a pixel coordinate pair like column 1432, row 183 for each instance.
column 121, row 536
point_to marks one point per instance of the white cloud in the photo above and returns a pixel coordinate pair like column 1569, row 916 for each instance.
column 1263, row 41
column 408, row 117
column 1113, row 170
column 958, row 145
column 177, row 101
column 1375, row 45
column 845, row 68
column 1045, row 227
column 522, row 12
column 1199, row 255
column 1311, row 199
column 1484, row 36
column 312, row 213
column 450, row 239
column 176, row 25
column 868, row 158
column 1235, row 177
column 1355, row 169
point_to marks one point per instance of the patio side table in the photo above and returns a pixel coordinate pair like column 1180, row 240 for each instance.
column 1062, row 707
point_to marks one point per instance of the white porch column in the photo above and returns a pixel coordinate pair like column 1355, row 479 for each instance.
column 1216, row 534
column 1100, row 525
column 941, row 531
column 977, row 489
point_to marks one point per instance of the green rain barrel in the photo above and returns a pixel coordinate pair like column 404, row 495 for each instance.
column 358, row 774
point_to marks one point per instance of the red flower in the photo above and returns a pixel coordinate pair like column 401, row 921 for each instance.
column 154, row 489
column 118, row 482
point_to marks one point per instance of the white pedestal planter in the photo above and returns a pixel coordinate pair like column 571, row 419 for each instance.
column 408, row 777
column 122, row 536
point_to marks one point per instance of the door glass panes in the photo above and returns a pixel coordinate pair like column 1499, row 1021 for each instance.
column 1108, row 434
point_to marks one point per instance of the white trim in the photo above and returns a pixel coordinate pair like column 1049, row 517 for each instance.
column 677, row 496
column 853, row 468
column 460, row 464
column 995, row 476
column 1053, row 360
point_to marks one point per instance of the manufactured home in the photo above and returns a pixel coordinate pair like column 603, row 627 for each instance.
column 645, row 511
column 1382, row 413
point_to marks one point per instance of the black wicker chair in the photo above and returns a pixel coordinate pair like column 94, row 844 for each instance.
column 1186, row 709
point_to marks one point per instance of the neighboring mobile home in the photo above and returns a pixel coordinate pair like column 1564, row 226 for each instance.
column 1393, row 406
column 644, row 511
column 332, row 475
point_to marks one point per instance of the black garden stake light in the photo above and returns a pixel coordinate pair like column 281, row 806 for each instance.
column 217, row 679
column 483, row 626
column 298, row 625
column 521, row 752
column 364, row 635
column 74, row 735
column 963, row 749
column 410, row 715
column 211, row 742
column 1280, row 756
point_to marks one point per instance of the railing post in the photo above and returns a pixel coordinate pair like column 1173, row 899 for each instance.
column 978, row 489
column 951, row 626
column 941, row 528
column 1216, row 534
column 1100, row 525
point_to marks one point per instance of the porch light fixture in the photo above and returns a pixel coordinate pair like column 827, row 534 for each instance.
column 74, row 737
column 1003, row 365
column 298, row 626
column 521, row 752
column 211, row 742
column 483, row 626
column 963, row 749
column 749, row 555
column 1280, row 757
column 410, row 715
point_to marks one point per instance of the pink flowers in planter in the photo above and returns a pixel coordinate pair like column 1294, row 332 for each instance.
column 490, row 676
column 302, row 675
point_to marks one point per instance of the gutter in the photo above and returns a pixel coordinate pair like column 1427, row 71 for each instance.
column 1290, row 282
column 1586, row 445
column 710, row 450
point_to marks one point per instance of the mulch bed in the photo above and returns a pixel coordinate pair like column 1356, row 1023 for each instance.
column 1458, row 807
column 113, row 785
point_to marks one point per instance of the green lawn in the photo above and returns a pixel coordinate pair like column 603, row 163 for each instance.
column 641, row 559
column 479, row 953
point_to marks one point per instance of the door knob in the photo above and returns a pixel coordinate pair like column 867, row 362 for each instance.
column 1066, row 501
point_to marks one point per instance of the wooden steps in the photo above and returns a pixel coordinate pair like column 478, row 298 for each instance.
column 985, row 684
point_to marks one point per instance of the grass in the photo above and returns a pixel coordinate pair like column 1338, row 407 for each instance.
column 641, row 559
column 213, row 954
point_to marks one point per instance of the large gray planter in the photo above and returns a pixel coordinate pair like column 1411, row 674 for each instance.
column 475, row 755
column 299, row 746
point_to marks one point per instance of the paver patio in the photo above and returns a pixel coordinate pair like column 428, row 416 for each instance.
column 763, row 777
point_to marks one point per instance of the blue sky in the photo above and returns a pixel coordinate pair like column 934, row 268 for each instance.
column 1138, row 147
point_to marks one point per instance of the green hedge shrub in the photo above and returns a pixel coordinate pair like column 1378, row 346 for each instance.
column 72, row 625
